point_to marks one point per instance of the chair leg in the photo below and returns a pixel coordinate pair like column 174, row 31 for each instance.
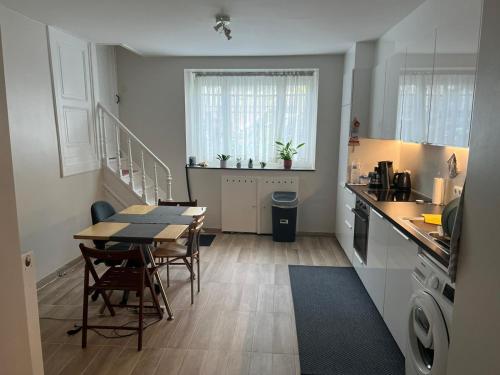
column 141, row 313
column 198, row 270
column 192, row 281
column 85, row 307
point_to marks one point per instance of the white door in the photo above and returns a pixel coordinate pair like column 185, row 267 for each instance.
column 73, row 95
column 107, row 93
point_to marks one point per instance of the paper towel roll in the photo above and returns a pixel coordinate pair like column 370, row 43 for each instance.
column 438, row 191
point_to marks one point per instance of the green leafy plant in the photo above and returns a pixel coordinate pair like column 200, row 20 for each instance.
column 223, row 157
column 263, row 164
column 286, row 151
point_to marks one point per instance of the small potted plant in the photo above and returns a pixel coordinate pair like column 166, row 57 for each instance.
column 263, row 164
column 223, row 160
column 250, row 163
column 286, row 152
column 238, row 163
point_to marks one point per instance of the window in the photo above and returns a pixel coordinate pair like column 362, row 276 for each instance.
column 243, row 113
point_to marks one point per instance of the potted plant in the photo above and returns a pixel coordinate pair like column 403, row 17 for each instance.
column 263, row 164
column 238, row 163
column 250, row 163
column 286, row 152
column 223, row 160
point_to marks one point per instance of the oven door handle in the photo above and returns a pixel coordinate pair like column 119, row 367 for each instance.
column 361, row 217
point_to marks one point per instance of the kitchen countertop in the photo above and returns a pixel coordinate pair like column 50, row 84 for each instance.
column 395, row 211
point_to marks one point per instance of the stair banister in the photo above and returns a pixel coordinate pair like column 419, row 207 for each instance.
column 131, row 137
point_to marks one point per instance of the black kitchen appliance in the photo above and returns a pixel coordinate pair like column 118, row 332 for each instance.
column 375, row 182
column 386, row 173
column 392, row 195
column 361, row 224
column 402, row 181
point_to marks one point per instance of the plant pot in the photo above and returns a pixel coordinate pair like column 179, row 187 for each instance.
column 238, row 165
column 287, row 164
column 223, row 163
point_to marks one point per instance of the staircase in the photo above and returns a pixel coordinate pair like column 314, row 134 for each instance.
column 134, row 165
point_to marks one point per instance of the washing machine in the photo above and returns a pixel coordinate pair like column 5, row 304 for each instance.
column 429, row 318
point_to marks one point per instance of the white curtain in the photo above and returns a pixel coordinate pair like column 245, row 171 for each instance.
column 244, row 114
column 436, row 108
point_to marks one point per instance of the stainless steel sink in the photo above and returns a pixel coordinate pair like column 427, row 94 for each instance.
column 432, row 232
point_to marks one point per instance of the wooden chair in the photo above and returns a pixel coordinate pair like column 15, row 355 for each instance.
column 189, row 253
column 135, row 279
column 178, row 203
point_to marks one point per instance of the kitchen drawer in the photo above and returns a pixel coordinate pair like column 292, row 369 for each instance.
column 359, row 267
column 349, row 197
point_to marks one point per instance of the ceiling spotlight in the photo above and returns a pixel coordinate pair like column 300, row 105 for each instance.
column 221, row 25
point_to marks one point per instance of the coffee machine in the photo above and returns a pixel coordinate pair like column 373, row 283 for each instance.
column 386, row 173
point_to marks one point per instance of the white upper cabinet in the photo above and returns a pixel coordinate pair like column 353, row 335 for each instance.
column 416, row 87
column 457, row 45
column 423, row 83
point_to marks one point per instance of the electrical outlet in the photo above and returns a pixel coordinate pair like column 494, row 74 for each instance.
column 457, row 191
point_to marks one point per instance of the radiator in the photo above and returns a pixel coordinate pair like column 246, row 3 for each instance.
column 31, row 298
column 246, row 201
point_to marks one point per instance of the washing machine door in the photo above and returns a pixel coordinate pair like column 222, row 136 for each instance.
column 427, row 336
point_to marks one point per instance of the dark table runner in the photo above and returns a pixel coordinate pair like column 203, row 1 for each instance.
column 150, row 218
column 138, row 233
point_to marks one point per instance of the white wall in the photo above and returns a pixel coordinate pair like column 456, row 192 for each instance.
column 50, row 209
column 475, row 337
column 152, row 105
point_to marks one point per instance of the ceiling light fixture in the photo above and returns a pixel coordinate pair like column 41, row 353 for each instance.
column 221, row 25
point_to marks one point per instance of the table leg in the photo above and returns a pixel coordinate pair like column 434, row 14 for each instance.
column 162, row 290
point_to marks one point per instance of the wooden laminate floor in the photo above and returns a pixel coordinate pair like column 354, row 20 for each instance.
column 242, row 322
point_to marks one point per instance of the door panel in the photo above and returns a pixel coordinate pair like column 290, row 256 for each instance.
column 74, row 102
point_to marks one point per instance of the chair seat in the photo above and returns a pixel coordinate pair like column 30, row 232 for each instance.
column 119, row 246
column 121, row 278
column 170, row 251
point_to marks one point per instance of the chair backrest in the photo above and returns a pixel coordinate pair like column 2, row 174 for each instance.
column 178, row 203
column 113, row 256
column 194, row 236
column 99, row 211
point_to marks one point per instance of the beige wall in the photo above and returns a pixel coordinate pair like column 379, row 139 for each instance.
column 14, row 348
column 152, row 105
column 50, row 209
column 475, row 337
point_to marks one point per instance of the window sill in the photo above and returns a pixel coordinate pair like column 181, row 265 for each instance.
column 257, row 169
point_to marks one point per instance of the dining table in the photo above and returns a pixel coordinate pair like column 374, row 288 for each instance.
column 144, row 226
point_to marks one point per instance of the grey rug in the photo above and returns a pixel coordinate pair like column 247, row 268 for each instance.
column 339, row 329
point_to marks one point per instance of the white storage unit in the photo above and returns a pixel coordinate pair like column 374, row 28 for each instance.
column 377, row 258
column 402, row 256
column 246, row 201
column 346, row 200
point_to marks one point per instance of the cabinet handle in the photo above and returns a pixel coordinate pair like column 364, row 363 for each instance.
column 376, row 213
column 358, row 257
column 401, row 233
column 347, row 224
column 348, row 207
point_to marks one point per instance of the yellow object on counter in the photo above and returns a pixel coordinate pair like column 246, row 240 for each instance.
column 432, row 219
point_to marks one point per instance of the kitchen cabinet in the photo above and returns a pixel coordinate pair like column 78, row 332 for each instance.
column 417, row 87
column 346, row 200
column 457, row 45
column 401, row 260
column 377, row 101
column 376, row 262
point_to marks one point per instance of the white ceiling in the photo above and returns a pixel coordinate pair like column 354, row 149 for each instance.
column 184, row 27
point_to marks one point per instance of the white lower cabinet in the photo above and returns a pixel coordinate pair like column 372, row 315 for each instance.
column 376, row 262
column 401, row 260
column 346, row 200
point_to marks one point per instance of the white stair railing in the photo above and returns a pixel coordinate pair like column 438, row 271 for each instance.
column 121, row 132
